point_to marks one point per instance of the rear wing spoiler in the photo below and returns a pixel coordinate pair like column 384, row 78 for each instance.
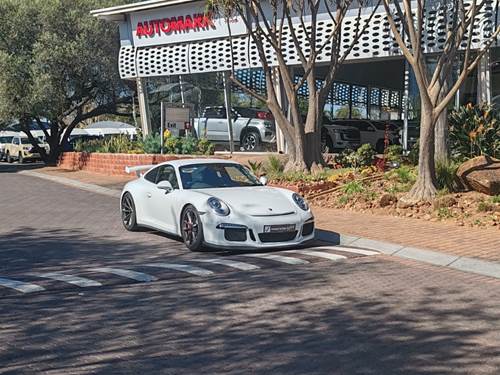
column 138, row 169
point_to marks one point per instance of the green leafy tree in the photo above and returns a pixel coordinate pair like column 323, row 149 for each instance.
column 63, row 69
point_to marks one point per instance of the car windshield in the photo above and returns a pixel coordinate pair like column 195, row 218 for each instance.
column 6, row 139
column 216, row 175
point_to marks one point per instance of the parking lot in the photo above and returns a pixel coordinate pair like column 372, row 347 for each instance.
column 79, row 294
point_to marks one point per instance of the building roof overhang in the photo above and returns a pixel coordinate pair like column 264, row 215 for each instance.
column 118, row 13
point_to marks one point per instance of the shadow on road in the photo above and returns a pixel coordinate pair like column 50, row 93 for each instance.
column 294, row 323
column 15, row 167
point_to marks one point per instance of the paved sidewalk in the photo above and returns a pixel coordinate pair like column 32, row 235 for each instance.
column 449, row 238
column 483, row 244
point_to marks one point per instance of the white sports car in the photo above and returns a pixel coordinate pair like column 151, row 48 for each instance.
column 215, row 203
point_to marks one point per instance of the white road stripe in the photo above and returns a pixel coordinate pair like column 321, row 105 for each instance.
column 346, row 250
column 20, row 286
column 138, row 276
column 278, row 258
column 319, row 254
column 231, row 263
column 70, row 279
column 198, row 271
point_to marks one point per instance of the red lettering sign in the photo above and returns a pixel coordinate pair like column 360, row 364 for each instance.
column 168, row 25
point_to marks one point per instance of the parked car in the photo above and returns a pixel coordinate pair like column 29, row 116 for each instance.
column 373, row 132
column 215, row 203
column 21, row 149
column 336, row 138
column 252, row 127
column 4, row 141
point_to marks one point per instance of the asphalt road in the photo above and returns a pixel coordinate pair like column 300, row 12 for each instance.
column 303, row 314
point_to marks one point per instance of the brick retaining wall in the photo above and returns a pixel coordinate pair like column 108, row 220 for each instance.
column 109, row 164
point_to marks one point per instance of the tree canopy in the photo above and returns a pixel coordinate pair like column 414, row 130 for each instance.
column 59, row 63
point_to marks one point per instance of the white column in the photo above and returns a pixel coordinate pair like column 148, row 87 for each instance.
column 280, row 139
column 143, row 107
column 484, row 80
column 406, row 99
column 227, row 100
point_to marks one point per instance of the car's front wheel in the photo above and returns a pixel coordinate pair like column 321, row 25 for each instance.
column 251, row 141
column 192, row 229
column 20, row 158
column 129, row 217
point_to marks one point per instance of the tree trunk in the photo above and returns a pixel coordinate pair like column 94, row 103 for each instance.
column 441, row 147
column 424, row 188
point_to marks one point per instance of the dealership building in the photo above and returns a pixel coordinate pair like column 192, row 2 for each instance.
column 178, row 54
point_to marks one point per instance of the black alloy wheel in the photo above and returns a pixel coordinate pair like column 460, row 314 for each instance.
column 251, row 141
column 129, row 218
column 192, row 229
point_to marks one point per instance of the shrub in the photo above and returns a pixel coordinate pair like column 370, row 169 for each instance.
column 485, row 207
column 353, row 187
column 364, row 156
column 189, row 145
column 394, row 153
column 413, row 155
column 255, row 167
column 274, row 165
column 495, row 199
column 116, row 144
column 403, row 175
column 152, row 144
column 474, row 131
column 205, row 147
column 446, row 176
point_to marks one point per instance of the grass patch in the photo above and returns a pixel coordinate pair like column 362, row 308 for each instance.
column 484, row 206
column 495, row 199
column 353, row 187
column 403, row 175
column 445, row 213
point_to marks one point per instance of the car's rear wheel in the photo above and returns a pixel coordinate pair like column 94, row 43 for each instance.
column 192, row 229
column 129, row 217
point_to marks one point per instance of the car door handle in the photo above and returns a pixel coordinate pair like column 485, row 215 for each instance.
column 149, row 195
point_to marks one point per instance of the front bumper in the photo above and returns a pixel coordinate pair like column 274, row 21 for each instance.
column 244, row 231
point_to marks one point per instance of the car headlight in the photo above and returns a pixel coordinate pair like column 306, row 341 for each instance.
column 301, row 202
column 218, row 206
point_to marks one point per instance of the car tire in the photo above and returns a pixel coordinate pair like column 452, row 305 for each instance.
column 20, row 158
column 380, row 147
column 9, row 158
column 326, row 142
column 192, row 229
column 128, row 213
column 250, row 141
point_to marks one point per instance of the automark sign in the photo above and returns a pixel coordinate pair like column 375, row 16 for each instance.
column 181, row 23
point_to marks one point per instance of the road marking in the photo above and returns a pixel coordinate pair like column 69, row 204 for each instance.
column 278, row 258
column 138, row 276
column 20, row 286
column 231, row 263
column 198, row 271
column 70, row 279
column 320, row 254
column 346, row 250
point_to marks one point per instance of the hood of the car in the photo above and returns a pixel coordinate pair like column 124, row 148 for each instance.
column 254, row 200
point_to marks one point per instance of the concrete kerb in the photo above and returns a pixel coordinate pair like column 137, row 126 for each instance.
column 477, row 266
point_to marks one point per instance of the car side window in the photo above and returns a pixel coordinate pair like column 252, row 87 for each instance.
column 16, row 141
column 151, row 175
column 167, row 173
column 215, row 112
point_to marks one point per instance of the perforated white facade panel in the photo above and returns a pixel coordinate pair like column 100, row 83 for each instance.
column 126, row 62
column 217, row 55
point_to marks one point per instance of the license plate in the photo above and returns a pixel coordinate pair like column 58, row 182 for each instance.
column 279, row 228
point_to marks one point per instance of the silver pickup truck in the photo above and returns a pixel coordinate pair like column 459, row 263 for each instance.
column 252, row 127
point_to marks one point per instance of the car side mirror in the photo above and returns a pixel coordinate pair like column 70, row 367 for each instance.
column 263, row 180
column 165, row 185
